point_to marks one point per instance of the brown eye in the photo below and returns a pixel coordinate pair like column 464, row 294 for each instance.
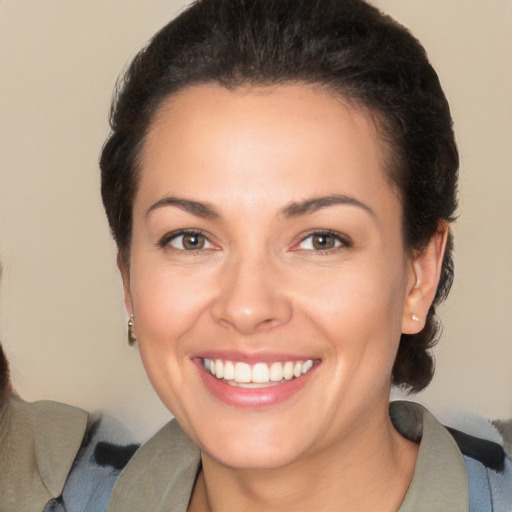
column 193, row 241
column 322, row 241
column 189, row 241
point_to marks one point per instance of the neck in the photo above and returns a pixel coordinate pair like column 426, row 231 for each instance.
column 370, row 470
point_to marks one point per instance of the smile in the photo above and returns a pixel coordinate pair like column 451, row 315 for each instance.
column 241, row 374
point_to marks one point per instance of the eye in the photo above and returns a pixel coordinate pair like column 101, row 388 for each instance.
column 322, row 241
column 187, row 241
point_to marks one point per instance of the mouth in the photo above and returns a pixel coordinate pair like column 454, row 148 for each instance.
column 255, row 381
column 259, row 375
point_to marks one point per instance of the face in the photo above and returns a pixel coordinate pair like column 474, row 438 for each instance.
column 268, row 279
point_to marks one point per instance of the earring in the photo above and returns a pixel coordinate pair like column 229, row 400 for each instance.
column 415, row 317
column 131, row 337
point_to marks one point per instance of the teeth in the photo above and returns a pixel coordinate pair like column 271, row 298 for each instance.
column 242, row 372
column 307, row 365
column 288, row 370
column 229, row 370
column 219, row 369
column 276, row 372
column 260, row 373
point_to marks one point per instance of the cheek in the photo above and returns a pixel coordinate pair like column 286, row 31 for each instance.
column 360, row 312
column 163, row 296
column 356, row 296
column 167, row 303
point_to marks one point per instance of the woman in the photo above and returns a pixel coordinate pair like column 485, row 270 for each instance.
column 280, row 180
column 52, row 458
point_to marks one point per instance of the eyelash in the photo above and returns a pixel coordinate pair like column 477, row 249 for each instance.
column 165, row 241
column 343, row 241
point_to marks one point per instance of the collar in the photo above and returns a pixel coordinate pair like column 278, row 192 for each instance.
column 162, row 473
column 160, row 476
column 440, row 479
column 38, row 444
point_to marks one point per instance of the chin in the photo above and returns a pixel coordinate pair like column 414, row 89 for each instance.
column 263, row 447
column 253, row 457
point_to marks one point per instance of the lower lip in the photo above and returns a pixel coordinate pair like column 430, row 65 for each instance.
column 253, row 398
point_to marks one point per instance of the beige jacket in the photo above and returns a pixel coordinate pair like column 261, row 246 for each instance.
column 160, row 477
column 38, row 444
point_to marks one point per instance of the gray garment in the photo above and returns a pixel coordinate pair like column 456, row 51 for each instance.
column 161, row 475
column 103, row 454
column 38, row 444
column 505, row 429
column 440, row 479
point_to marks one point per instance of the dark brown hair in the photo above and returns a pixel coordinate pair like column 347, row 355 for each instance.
column 346, row 46
column 5, row 383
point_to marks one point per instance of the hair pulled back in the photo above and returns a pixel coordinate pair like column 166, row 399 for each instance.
column 346, row 46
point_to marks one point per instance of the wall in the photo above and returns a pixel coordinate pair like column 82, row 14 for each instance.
column 62, row 320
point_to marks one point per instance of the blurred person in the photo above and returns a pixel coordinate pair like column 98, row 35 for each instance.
column 53, row 457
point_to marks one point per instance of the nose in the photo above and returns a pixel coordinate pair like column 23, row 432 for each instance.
column 251, row 297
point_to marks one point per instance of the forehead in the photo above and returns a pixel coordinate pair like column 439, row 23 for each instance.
column 300, row 100
column 293, row 136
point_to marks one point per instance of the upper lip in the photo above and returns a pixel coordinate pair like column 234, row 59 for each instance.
column 252, row 358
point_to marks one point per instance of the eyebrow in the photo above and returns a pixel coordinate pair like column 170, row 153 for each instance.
column 197, row 208
column 296, row 209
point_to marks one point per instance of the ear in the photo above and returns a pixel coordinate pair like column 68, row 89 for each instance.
column 423, row 279
column 125, row 276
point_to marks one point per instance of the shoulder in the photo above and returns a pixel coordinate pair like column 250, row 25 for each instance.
column 489, row 453
column 448, row 454
column 505, row 429
column 489, row 472
column 488, row 466
column 40, row 441
column 105, row 451
column 160, row 474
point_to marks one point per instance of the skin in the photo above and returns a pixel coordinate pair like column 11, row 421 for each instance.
column 258, row 286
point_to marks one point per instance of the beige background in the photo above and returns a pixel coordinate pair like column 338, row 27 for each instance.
column 61, row 316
